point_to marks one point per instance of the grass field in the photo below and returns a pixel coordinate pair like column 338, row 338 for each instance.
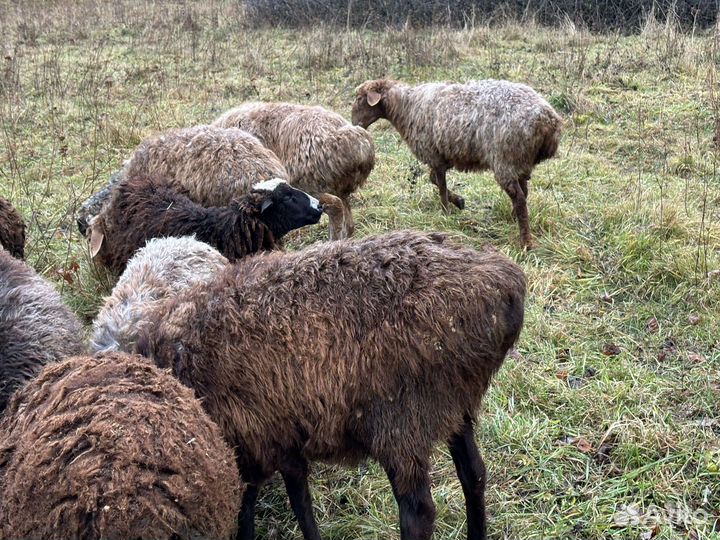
column 612, row 399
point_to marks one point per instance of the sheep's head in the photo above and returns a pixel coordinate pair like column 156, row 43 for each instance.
column 368, row 105
column 284, row 208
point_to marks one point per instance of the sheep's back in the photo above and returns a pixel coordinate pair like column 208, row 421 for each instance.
column 321, row 151
column 311, row 339
column 479, row 124
column 211, row 164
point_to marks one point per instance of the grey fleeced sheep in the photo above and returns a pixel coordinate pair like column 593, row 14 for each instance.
column 322, row 152
column 498, row 125
column 113, row 448
column 377, row 348
column 211, row 165
column 36, row 328
column 12, row 229
column 162, row 269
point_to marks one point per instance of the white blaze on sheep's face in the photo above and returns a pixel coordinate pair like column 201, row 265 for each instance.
column 269, row 185
column 314, row 203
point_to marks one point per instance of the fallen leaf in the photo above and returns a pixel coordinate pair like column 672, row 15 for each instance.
column 652, row 325
column 694, row 319
column 652, row 533
column 610, row 349
column 562, row 375
column 583, row 445
column 696, row 357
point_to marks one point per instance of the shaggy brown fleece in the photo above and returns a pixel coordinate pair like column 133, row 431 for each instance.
column 351, row 349
column 12, row 229
column 113, row 448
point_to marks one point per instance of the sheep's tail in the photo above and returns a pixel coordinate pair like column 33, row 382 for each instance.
column 551, row 133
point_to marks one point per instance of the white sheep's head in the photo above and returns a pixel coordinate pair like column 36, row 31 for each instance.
column 368, row 105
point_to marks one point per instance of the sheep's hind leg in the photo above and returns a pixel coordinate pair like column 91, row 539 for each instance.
column 437, row 177
column 246, row 520
column 516, row 193
column 295, row 476
column 471, row 472
column 417, row 510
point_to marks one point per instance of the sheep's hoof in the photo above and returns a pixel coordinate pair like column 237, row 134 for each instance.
column 529, row 243
column 459, row 202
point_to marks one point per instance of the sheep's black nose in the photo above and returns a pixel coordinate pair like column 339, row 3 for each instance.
column 321, row 208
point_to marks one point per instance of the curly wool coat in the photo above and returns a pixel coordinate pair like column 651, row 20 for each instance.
column 36, row 328
column 165, row 267
column 322, row 152
column 12, row 229
column 112, row 447
column 211, row 164
column 498, row 125
column 345, row 350
column 142, row 208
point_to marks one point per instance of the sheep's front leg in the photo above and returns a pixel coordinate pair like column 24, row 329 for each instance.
column 295, row 476
column 246, row 520
column 471, row 472
column 349, row 222
column 437, row 177
column 417, row 510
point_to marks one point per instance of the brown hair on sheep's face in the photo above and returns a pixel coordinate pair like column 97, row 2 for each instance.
column 368, row 105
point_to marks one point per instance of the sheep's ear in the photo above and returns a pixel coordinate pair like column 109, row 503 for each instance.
column 373, row 98
column 267, row 203
column 96, row 240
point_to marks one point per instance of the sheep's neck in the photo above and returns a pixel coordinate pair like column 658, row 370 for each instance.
column 396, row 105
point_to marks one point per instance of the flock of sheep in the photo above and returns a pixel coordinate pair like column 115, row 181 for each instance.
column 220, row 359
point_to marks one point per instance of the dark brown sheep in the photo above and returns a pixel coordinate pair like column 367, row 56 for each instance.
column 142, row 208
column 112, row 447
column 12, row 229
column 346, row 350
column 36, row 328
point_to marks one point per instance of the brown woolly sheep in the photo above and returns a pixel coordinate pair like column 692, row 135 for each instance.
column 36, row 328
column 12, row 229
column 322, row 152
column 141, row 208
column 499, row 125
column 112, row 447
column 346, row 350
column 165, row 267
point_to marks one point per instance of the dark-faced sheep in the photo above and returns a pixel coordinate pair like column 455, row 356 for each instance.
column 143, row 207
column 162, row 269
column 346, row 350
column 498, row 125
column 112, row 447
column 12, row 229
column 322, row 152
column 36, row 328
column 212, row 165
